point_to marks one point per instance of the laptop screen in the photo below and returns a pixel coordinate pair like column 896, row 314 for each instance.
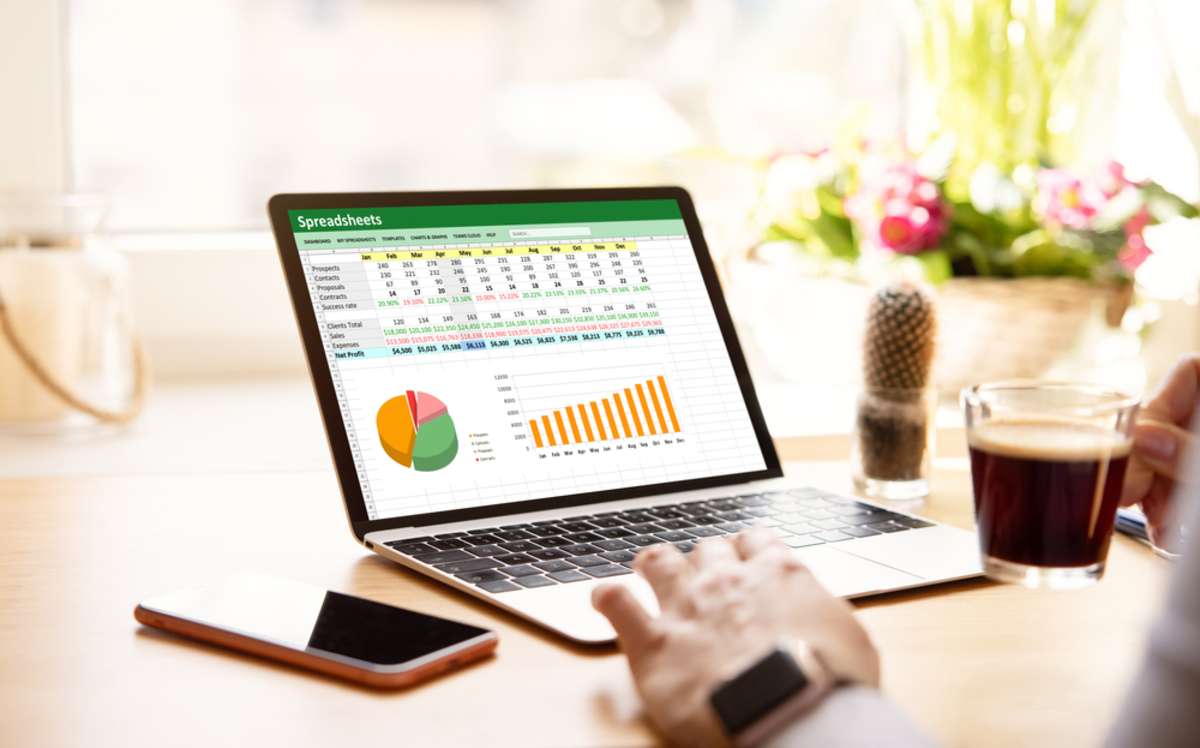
column 496, row 353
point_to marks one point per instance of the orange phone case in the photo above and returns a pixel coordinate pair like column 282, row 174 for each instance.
column 363, row 675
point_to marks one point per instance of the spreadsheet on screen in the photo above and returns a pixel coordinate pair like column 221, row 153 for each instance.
column 484, row 354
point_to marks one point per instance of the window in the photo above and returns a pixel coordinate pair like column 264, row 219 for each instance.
column 191, row 116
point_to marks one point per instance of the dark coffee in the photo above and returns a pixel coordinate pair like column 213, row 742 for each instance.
column 1046, row 491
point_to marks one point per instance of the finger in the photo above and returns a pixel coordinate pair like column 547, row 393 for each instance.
column 635, row 629
column 667, row 571
column 1175, row 400
column 1160, row 446
column 1157, row 508
column 1138, row 479
column 753, row 541
column 712, row 553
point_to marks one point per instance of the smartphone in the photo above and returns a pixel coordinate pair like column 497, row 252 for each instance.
column 341, row 635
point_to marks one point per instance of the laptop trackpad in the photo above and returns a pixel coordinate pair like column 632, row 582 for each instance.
column 846, row 574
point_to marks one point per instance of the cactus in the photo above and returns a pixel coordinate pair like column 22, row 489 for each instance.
column 893, row 417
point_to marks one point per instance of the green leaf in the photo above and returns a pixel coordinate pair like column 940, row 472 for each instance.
column 837, row 234
column 936, row 264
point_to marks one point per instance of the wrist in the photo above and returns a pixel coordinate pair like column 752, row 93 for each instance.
column 770, row 693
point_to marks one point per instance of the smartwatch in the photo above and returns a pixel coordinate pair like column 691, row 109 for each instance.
column 770, row 693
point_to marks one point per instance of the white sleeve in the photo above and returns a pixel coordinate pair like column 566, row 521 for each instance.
column 853, row 716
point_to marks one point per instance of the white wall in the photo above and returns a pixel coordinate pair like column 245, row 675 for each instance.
column 32, row 123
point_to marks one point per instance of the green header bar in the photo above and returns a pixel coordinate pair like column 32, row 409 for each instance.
column 500, row 214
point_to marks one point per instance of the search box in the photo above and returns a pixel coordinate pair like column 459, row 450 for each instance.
column 556, row 231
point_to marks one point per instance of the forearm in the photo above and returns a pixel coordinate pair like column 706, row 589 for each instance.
column 853, row 716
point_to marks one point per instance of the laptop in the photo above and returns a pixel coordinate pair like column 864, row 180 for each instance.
column 521, row 389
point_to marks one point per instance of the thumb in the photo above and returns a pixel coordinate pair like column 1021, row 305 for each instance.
column 635, row 629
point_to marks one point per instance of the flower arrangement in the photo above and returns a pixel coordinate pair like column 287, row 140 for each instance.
column 864, row 205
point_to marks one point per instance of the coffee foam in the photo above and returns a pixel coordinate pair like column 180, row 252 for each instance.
column 1044, row 438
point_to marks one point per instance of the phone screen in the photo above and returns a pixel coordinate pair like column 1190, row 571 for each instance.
column 311, row 619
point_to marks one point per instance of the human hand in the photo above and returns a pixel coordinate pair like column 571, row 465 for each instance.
column 1160, row 441
column 723, row 608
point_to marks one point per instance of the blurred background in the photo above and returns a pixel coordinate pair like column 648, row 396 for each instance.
column 776, row 114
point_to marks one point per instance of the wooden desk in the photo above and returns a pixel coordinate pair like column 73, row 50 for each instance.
column 976, row 664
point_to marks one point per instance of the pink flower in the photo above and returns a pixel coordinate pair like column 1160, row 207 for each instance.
column 1113, row 180
column 1066, row 200
column 1135, row 251
column 901, row 210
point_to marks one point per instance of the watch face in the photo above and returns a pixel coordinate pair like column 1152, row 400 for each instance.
column 758, row 691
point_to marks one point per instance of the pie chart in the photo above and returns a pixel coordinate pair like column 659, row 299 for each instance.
column 416, row 431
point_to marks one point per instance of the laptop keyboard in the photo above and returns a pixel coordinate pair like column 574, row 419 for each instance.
column 595, row 546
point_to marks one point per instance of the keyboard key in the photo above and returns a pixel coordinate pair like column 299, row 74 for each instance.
column 513, row 535
column 422, row 539
column 859, row 532
column 501, row 585
column 443, row 557
column 592, row 560
column 888, row 526
column 579, row 549
column 512, row 559
column 607, row 522
column 520, row 546
column 832, row 536
column 474, row 564
column 705, row 519
column 686, row 546
column 576, row 518
column 480, row 531
column 488, row 550
column 412, row 549
column 674, row 524
column 645, row 528
column 757, row 511
column 612, row 545
column 482, row 539
column 584, row 537
column 722, row 505
column 617, row 556
column 478, row 577
column 607, row 570
column 734, row 516
column 732, row 526
column 802, row 541
column 543, row 530
column 752, row 500
column 800, row 528
column 704, row 532
column 769, row 522
column 576, row 527
column 538, row 581
column 553, row 542
column 637, row 517
column 643, row 540
column 672, row 536
column 569, row 575
column 448, row 544
column 827, row 524
column 514, row 527
column 665, row 513
column 616, row 532
column 520, row 570
column 811, row 514
column 912, row 522
column 445, row 535
column 548, row 554
column 555, row 565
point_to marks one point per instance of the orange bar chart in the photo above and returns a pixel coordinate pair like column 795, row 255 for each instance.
column 642, row 409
